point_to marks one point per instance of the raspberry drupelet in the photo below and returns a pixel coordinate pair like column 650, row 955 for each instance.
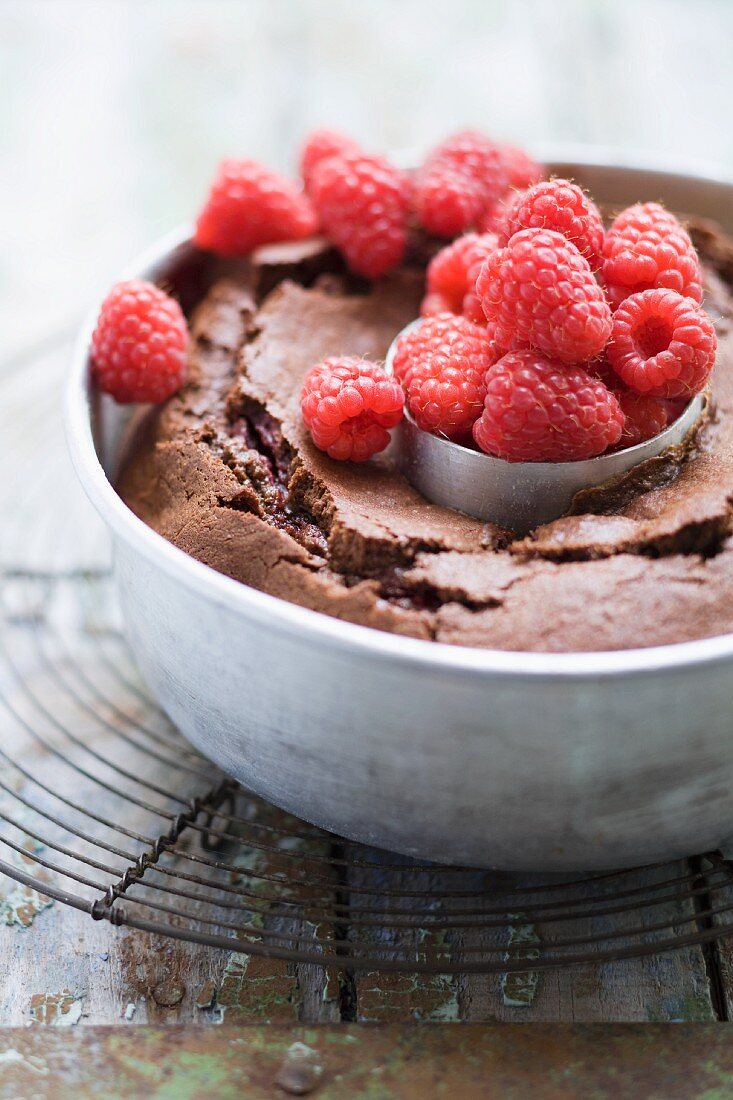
column 139, row 344
column 539, row 410
column 348, row 405
column 662, row 344
column 362, row 202
column 442, row 364
column 539, row 292
column 249, row 205
column 646, row 248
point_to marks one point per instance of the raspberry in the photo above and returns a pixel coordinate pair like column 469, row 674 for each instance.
column 319, row 145
column 479, row 158
column 139, row 345
column 560, row 205
column 646, row 247
column 674, row 407
column 348, row 405
column 537, row 410
column 434, row 303
column 494, row 218
column 472, row 308
column 522, row 169
column 442, row 364
column 363, row 202
column 438, row 333
column 601, row 368
column 447, row 201
column 453, row 271
column 462, row 177
column 540, row 293
column 644, row 416
column 662, row 344
column 249, row 205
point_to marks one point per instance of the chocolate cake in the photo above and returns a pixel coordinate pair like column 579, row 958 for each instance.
column 227, row 472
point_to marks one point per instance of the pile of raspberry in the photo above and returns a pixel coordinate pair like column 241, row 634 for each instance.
column 545, row 335
column 596, row 336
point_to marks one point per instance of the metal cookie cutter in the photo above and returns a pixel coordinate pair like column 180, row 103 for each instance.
column 518, row 495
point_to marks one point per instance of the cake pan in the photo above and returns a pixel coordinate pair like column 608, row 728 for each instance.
column 508, row 760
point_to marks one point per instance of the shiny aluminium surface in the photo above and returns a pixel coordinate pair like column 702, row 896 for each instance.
column 517, row 495
column 510, row 760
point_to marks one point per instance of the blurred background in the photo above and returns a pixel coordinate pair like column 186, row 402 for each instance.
column 113, row 112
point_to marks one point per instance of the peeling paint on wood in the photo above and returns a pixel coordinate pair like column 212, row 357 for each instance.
column 255, row 988
column 389, row 997
column 518, row 990
column 206, row 997
column 669, row 986
column 56, row 1009
column 22, row 905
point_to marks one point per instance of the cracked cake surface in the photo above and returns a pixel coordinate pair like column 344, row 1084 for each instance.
column 227, row 472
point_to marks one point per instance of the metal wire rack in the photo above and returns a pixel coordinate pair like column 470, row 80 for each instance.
column 104, row 807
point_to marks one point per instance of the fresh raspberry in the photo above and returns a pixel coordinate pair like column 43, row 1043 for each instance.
column 494, row 218
column 478, row 157
column 440, row 333
column 319, row 145
column 644, row 416
column 434, row 303
column 601, row 368
column 447, row 200
column 646, row 247
column 348, row 405
column 560, row 205
column 139, row 345
column 540, row 293
column 522, row 169
column 662, row 344
column 472, row 308
column 442, row 364
column 249, row 205
column 453, row 271
column 363, row 203
column 538, row 410
column 462, row 176
column 674, row 407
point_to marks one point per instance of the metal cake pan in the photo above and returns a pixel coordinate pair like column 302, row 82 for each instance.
column 509, row 760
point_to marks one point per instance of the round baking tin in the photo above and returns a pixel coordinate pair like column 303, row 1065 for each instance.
column 517, row 495
column 504, row 759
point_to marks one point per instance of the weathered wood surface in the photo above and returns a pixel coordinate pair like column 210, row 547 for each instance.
column 63, row 668
column 473, row 1062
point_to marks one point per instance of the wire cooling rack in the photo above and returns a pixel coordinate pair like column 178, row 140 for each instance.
column 104, row 807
